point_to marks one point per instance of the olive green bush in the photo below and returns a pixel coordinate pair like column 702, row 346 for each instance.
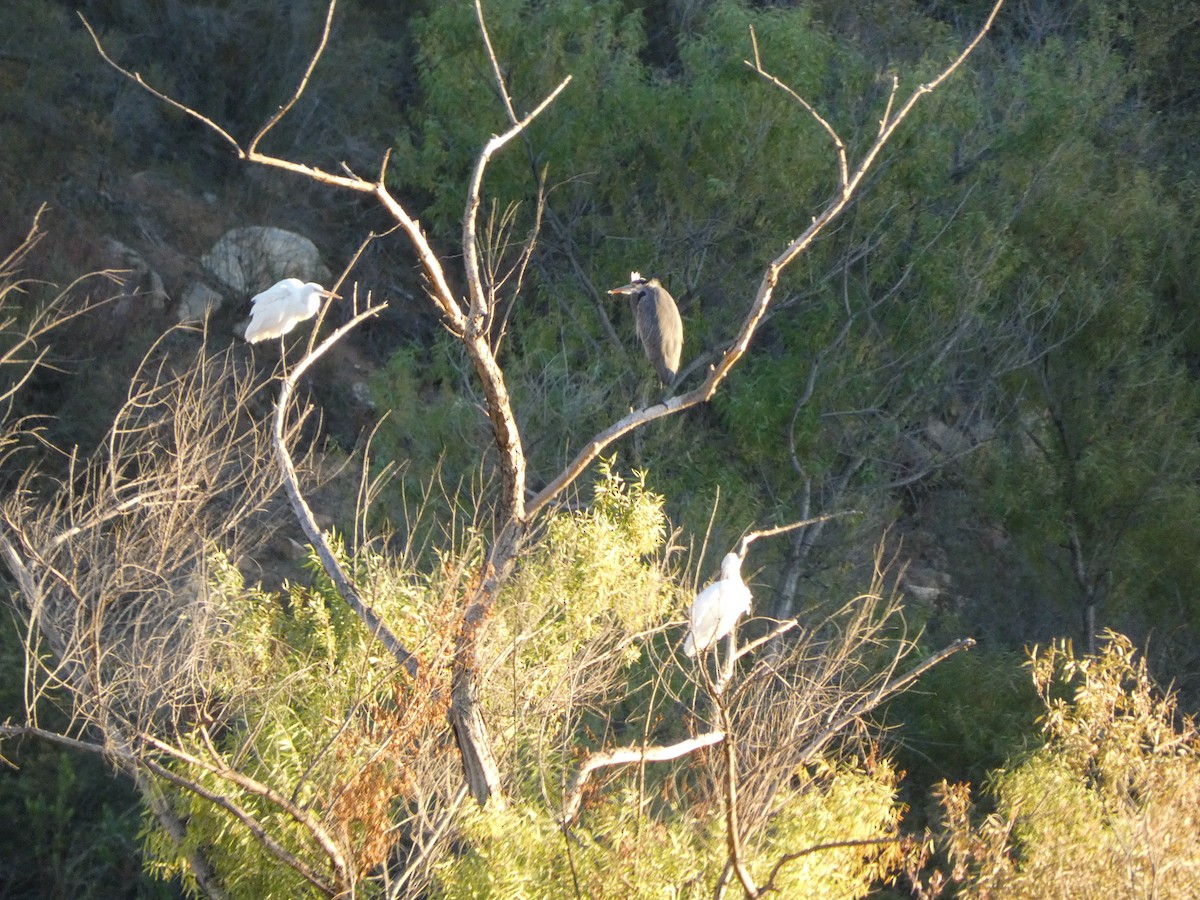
column 631, row 845
column 1106, row 808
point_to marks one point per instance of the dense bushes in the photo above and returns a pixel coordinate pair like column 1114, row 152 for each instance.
column 1107, row 807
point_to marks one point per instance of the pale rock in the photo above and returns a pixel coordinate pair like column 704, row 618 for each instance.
column 248, row 260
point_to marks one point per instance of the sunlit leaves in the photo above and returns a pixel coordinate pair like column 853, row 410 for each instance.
column 1106, row 806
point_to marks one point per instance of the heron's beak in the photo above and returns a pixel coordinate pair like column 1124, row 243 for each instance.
column 626, row 289
column 331, row 295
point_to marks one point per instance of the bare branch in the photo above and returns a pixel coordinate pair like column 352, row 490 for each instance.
column 888, row 689
column 341, row 581
column 256, row 788
column 781, row 628
column 733, row 831
column 479, row 309
column 439, row 829
column 165, row 98
column 132, row 762
column 501, row 85
column 887, row 110
column 839, row 146
column 159, row 805
column 625, row 755
column 312, row 64
column 821, row 848
column 261, row 833
column 783, row 529
column 888, row 126
column 762, row 299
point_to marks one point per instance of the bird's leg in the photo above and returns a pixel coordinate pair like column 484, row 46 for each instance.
column 639, row 434
column 725, row 667
column 283, row 356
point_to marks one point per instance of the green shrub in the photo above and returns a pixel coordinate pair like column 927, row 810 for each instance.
column 1106, row 808
column 627, row 846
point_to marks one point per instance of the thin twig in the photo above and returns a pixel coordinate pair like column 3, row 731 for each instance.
column 165, row 98
column 128, row 759
column 821, row 848
column 312, row 64
column 447, row 816
column 496, row 71
column 781, row 628
column 479, row 310
column 733, row 832
column 838, row 145
column 889, row 688
column 781, row 529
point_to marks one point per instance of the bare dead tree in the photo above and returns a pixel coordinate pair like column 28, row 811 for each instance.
column 112, row 565
column 111, row 561
column 469, row 320
column 115, row 586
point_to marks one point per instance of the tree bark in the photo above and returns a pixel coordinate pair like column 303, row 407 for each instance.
column 480, row 769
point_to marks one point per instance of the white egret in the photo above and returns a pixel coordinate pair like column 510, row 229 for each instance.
column 283, row 306
column 717, row 608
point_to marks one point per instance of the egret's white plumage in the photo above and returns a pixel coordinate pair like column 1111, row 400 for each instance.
column 717, row 608
column 283, row 306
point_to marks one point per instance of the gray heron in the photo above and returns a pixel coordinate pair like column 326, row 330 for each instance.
column 659, row 327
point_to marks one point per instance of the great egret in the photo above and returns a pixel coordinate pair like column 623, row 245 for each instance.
column 283, row 306
column 717, row 608
column 659, row 327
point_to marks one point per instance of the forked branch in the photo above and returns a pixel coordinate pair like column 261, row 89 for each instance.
column 766, row 289
column 303, row 83
column 479, row 304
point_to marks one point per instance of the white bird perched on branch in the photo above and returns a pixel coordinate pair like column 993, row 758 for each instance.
column 283, row 306
column 717, row 608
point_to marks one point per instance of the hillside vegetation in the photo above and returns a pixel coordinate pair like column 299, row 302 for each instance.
column 981, row 383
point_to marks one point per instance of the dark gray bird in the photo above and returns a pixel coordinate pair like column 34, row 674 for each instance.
column 659, row 327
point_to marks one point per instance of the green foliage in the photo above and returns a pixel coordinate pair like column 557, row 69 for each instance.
column 521, row 852
column 639, row 139
column 1106, row 806
column 430, row 421
column 69, row 830
column 968, row 716
column 1107, row 455
column 576, row 615
column 615, row 851
column 49, row 81
column 837, row 804
column 303, row 698
column 68, row 824
column 637, row 149
column 1025, row 256
column 598, row 567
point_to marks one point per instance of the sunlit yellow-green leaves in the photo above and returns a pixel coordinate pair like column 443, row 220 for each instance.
column 1108, row 805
